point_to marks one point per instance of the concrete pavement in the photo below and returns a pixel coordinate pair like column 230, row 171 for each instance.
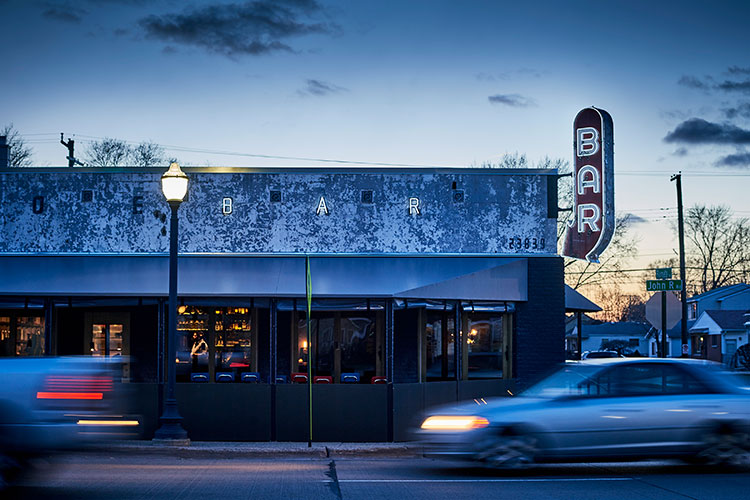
column 212, row 449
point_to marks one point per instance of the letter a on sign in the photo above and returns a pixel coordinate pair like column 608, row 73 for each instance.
column 593, row 223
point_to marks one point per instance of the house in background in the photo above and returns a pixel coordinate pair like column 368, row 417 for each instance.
column 717, row 334
column 735, row 298
column 726, row 298
column 596, row 337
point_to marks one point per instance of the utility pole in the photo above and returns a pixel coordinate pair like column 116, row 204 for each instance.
column 71, row 145
column 681, row 235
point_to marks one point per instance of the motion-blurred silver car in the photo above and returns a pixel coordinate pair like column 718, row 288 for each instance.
column 606, row 409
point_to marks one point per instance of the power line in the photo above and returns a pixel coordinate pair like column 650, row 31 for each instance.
column 186, row 149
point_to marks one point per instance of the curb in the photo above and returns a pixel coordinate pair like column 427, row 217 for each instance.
column 202, row 449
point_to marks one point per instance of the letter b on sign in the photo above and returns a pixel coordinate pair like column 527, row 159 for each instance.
column 587, row 141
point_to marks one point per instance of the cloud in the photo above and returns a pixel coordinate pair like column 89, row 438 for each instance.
column 735, row 160
column 238, row 29
column 730, row 86
column 700, row 131
column 320, row 88
column 680, row 152
column 707, row 83
column 489, row 77
column 512, row 100
column 736, row 70
column 635, row 219
column 741, row 110
column 64, row 13
column 693, row 82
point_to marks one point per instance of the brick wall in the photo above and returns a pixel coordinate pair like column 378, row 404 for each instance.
column 540, row 322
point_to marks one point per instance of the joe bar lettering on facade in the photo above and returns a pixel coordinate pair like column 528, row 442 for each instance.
column 227, row 206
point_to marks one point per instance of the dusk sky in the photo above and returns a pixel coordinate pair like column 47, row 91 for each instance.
column 432, row 83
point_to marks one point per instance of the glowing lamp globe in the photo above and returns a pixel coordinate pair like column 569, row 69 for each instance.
column 174, row 183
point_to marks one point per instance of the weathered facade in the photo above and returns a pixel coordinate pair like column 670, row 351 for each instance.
column 442, row 283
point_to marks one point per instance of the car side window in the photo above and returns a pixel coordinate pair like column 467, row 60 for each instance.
column 653, row 379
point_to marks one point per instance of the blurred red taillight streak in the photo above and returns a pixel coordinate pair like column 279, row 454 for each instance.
column 75, row 387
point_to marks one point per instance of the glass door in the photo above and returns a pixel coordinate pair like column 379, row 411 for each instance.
column 106, row 339
column 107, row 334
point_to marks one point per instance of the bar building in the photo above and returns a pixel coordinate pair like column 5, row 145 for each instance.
column 429, row 286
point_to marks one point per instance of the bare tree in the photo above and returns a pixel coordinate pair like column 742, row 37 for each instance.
column 622, row 248
column 108, row 153
column 611, row 268
column 19, row 154
column 618, row 305
column 509, row 160
column 147, row 154
column 719, row 247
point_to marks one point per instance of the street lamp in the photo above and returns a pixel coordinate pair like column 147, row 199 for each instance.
column 174, row 185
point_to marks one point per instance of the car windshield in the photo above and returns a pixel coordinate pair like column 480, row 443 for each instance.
column 572, row 380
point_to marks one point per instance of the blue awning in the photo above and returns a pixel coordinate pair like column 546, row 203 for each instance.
column 468, row 278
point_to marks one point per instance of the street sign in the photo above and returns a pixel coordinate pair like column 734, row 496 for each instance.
column 664, row 273
column 663, row 285
column 653, row 310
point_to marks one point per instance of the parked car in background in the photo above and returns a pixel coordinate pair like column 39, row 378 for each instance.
column 604, row 409
column 601, row 354
column 49, row 405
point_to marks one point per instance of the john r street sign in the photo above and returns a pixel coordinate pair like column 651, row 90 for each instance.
column 663, row 285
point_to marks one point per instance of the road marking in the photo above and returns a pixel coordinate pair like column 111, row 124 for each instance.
column 529, row 480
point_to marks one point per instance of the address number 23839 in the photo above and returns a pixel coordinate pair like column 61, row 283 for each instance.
column 518, row 243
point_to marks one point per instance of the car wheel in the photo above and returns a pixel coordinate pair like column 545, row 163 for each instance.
column 508, row 450
column 725, row 446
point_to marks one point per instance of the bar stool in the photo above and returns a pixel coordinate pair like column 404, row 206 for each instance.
column 299, row 378
column 322, row 379
column 250, row 377
column 378, row 379
column 225, row 377
column 350, row 378
column 199, row 377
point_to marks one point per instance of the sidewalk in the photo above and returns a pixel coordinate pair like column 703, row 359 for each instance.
column 213, row 449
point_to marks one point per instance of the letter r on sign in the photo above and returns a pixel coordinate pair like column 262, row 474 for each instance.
column 588, row 214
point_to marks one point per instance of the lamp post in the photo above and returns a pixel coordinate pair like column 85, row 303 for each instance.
column 174, row 185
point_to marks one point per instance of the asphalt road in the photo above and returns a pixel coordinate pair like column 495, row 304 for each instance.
column 132, row 476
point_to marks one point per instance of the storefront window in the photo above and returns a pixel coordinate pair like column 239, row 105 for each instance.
column 192, row 349
column 484, row 343
column 440, row 340
column 342, row 343
column 233, row 333
column 29, row 336
column 301, row 352
column 358, row 346
column 215, row 343
column 5, row 340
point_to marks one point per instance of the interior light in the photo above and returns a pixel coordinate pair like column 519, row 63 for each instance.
column 304, row 344
column 454, row 423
